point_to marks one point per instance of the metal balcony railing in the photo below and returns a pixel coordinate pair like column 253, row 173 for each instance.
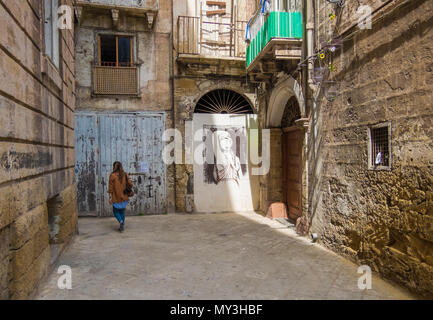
column 202, row 38
column 108, row 80
column 274, row 19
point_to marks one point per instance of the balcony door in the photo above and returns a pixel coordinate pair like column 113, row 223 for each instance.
column 115, row 51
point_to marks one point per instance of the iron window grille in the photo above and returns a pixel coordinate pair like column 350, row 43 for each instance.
column 379, row 154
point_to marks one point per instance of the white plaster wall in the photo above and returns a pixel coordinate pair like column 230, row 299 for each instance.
column 224, row 197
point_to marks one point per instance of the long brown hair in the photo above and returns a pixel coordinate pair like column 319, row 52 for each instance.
column 117, row 167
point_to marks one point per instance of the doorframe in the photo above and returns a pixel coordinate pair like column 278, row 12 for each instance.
column 301, row 168
column 282, row 91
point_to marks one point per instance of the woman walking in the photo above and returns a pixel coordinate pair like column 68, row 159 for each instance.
column 116, row 190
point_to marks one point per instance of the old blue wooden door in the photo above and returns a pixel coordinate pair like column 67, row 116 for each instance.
column 135, row 139
column 86, row 161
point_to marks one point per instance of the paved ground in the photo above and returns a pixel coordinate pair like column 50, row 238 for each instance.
column 205, row 256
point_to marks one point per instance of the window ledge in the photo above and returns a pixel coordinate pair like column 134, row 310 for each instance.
column 116, row 96
column 52, row 72
column 380, row 168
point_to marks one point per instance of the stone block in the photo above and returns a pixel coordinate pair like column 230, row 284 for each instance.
column 277, row 210
column 16, row 41
column 25, row 16
column 21, row 86
column 28, row 225
column 63, row 215
column 6, row 214
column 4, row 262
column 23, row 286
column 4, row 279
column 186, row 83
column 61, row 229
column 24, row 257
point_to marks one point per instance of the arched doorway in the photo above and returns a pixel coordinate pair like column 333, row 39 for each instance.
column 222, row 179
column 286, row 117
column 292, row 143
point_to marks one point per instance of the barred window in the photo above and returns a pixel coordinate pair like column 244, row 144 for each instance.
column 380, row 146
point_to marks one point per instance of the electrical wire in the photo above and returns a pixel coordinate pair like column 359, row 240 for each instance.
column 351, row 35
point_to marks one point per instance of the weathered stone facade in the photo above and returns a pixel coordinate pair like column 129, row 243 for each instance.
column 37, row 102
column 381, row 218
column 151, row 55
column 382, row 76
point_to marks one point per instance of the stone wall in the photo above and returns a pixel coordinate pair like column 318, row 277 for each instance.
column 382, row 218
column 37, row 102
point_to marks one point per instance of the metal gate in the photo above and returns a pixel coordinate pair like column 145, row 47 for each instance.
column 135, row 139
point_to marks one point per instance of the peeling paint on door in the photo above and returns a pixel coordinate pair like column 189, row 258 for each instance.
column 135, row 139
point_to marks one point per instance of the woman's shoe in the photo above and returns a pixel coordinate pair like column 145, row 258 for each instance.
column 122, row 227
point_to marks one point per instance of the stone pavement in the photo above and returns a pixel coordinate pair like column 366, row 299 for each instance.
column 205, row 256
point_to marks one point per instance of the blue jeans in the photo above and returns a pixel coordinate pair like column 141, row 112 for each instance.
column 119, row 214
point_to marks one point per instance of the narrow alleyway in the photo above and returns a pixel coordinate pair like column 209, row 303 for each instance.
column 205, row 256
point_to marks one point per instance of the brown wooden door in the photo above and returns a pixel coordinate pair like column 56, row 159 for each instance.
column 292, row 171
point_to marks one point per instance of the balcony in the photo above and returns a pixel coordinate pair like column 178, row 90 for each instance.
column 147, row 9
column 200, row 41
column 115, row 80
column 274, row 37
column 122, row 3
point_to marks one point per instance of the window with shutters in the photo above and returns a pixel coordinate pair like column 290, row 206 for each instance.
column 51, row 31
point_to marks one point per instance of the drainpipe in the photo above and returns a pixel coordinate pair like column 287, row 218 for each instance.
column 309, row 26
column 309, row 90
column 172, row 91
column 305, row 49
